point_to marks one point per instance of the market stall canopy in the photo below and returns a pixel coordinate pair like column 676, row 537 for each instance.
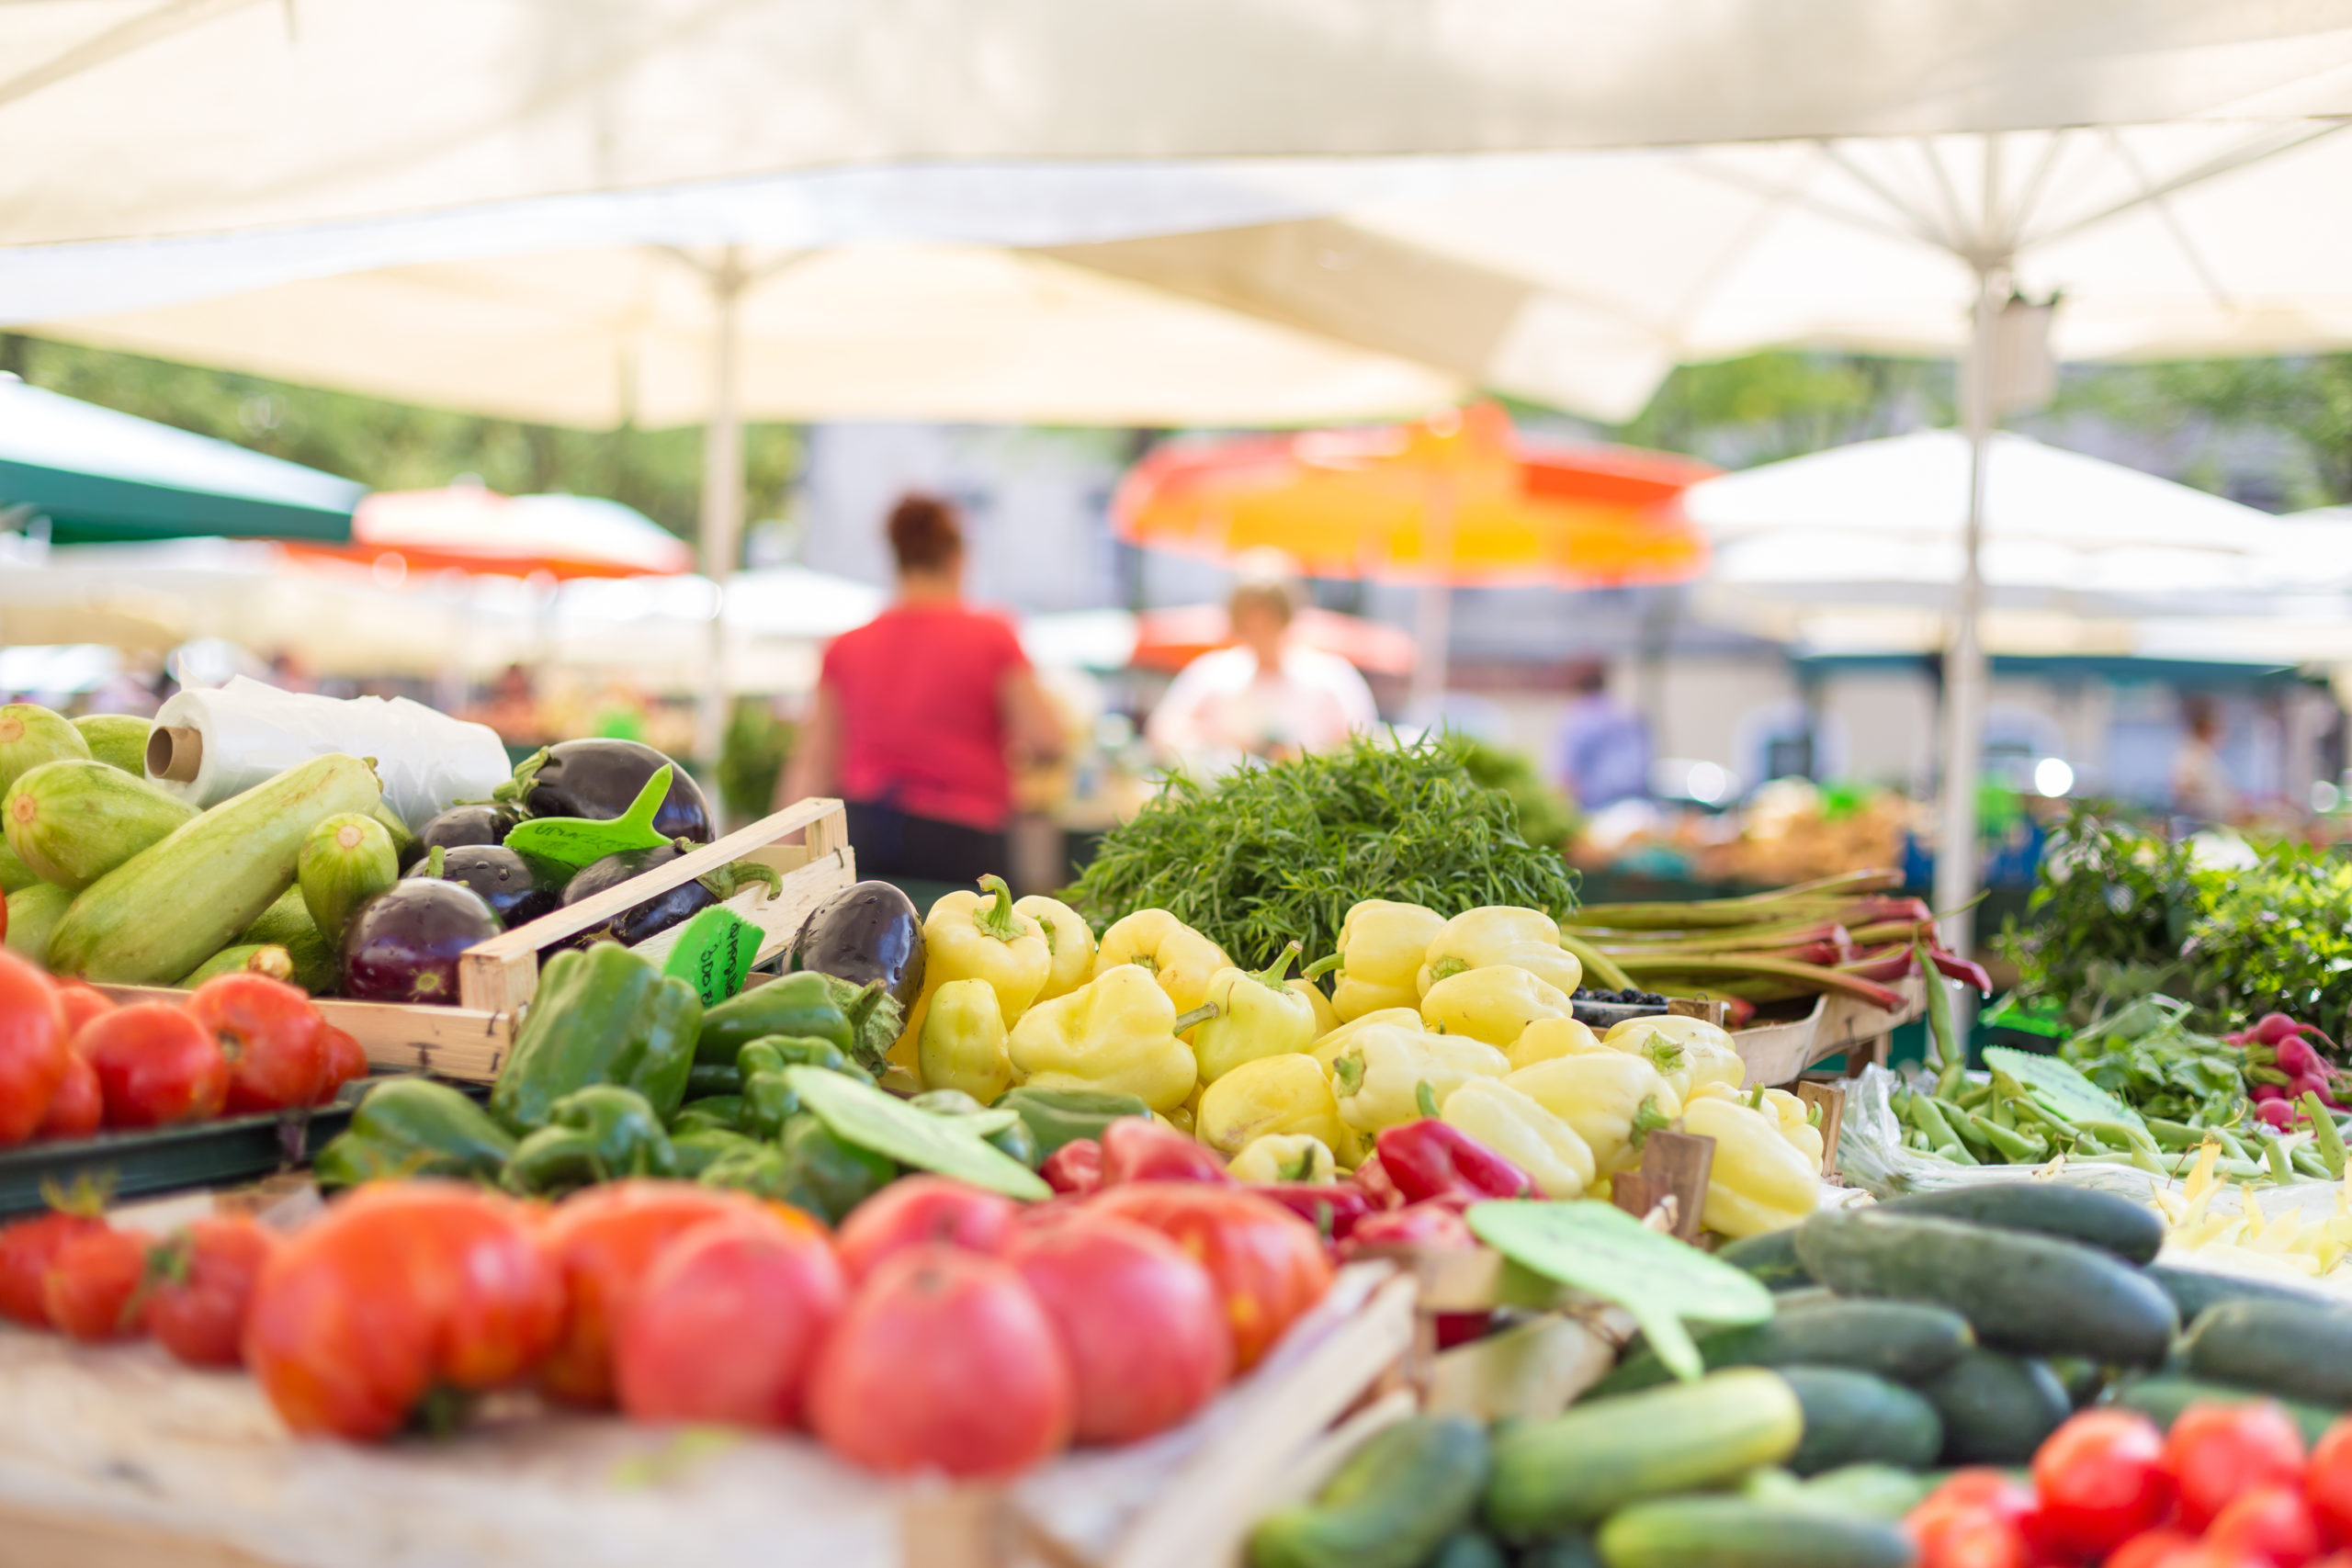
column 347, row 111
column 98, row 475
column 467, row 527
column 1167, row 639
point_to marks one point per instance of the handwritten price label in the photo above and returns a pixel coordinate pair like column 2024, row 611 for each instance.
column 715, row 952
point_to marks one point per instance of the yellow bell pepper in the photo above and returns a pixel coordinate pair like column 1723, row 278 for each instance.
column 1185, row 1117
column 1378, row 1076
column 1759, row 1182
column 1382, row 947
column 1283, row 1156
column 1325, row 1020
column 1495, row 1004
column 1515, row 1126
column 1708, row 1054
column 1173, row 952
column 1116, row 1033
column 1274, row 1095
column 1612, row 1100
column 1547, row 1038
column 977, row 936
column 1794, row 1118
column 1329, row 1046
column 962, row 1041
column 1501, row 934
column 1255, row 1015
column 1070, row 942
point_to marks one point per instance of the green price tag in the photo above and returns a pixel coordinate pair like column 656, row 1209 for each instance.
column 2060, row 1086
column 715, row 951
column 577, row 842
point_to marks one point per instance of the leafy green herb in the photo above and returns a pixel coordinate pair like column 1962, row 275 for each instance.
column 1271, row 855
column 2147, row 1056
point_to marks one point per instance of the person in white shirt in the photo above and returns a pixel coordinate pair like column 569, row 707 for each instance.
column 2200, row 783
column 1263, row 698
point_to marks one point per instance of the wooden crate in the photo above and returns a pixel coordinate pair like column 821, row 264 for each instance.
column 495, row 978
column 1777, row 1054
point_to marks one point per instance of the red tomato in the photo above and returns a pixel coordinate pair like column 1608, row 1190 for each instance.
column 78, row 1106
column 346, row 1060
column 91, row 1282
column 397, row 1288
column 2327, row 1482
column 1975, row 1519
column 2157, row 1549
column 81, row 1002
column 729, row 1321
column 2215, row 1452
column 156, row 1065
column 1141, row 1323
column 2102, row 1480
column 943, row 1360
column 1267, row 1263
column 272, row 1037
column 2272, row 1522
column 918, row 1210
column 201, row 1281
column 601, row 1243
column 26, row 1248
column 33, row 1047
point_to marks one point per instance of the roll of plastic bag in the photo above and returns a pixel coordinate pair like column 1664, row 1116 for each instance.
column 248, row 731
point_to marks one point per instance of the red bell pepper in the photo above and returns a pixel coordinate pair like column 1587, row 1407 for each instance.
column 1076, row 1167
column 1137, row 1149
column 1372, row 1177
column 1435, row 1224
column 1335, row 1209
column 1430, row 1159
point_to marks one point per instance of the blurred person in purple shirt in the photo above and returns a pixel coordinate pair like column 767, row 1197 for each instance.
column 1603, row 753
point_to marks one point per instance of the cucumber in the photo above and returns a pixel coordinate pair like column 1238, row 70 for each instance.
column 2278, row 1348
column 1902, row 1340
column 2083, row 1379
column 76, row 821
column 347, row 859
column 2194, row 1289
column 1575, row 1551
column 32, row 735
column 1867, row 1490
column 1851, row 1416
column 258, row 958
column 117, row 739
column 317, row 967
column 168, row 909
column 1391, row 1506
column 1731, row 1532
column 2028, row 1293
column 1552, row 1476
column 1771, row 1257
column 14, row 874
column 33, row 915
column 2108, row 1220
column 1996, row 1408
column 2163, row 1397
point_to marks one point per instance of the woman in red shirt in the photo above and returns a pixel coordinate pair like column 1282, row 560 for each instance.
column 918, row 713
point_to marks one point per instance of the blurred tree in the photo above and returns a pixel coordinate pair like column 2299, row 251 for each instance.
column 1763, row 407
column 390, row 446
column 2306, row 400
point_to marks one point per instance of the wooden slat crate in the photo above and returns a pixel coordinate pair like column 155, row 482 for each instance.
column 1777, row 1053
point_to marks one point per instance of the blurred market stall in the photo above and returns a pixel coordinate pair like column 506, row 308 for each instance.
column 467, row 527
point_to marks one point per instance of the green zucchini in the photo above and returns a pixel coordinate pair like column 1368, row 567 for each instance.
column 74, row 821
column 1572, row 1550
column 33, row 915
column 2023, row 1292
column 347, row 859
column 2278, row 1348
column 1579, row 1466
column 1391, row 1506
column 1996, row 1408
column 117, row 739
column 32, row 735
column 2163, row 1397
column 1731, row 1532
column 1851, row 1416
column 2194, row 1289
column 2108, row 1220
column 258, row 958
column 168, row 909
column 1902, row 1340
column 318, row 965
column 1771, row 1257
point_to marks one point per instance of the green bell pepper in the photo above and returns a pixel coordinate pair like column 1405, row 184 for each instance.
column 703, row 1147
column 796, row 1004
column 831, row 1176
column 603, row 1015
column 1059, row 1116
column 1003, row 1127
column 703, row 1080
column 413, row 1127
column 769, row 1099
column 723, row 1113
column 599, row 1133
column 809, row 1051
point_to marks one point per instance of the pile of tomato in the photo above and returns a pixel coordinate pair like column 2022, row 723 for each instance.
column 71, row 1062
column 2231, row 1485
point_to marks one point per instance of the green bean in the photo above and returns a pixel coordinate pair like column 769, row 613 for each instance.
column 1953, row 1152
column 1957, row 1120
column 2307, row 1160
column 1973, row 1097
column 2234, row 1148
column 2134, row 1138
column 1951, row 1051
column 2021, row 1151
column 2003, row 1113
column 2102, row 1158
column 2174, row 1134
column 2282, row 1169
column 2329, row 1137
column 1929, row 1119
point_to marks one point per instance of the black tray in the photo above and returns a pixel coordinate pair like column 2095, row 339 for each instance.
column 201, row 1154
column 1600, row 1017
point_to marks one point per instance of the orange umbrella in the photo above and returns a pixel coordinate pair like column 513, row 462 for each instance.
column 1457, row 499
column 1172, row 638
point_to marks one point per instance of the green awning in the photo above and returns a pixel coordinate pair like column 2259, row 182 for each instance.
column 103, row 477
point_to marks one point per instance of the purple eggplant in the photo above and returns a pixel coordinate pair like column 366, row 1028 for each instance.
column 658, row 913
column 869, row 931
column 403, row 944
column 600, row 779
column 518, row 888
column 462, row 826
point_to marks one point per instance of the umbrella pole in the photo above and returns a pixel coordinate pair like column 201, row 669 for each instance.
column 722, row 497
column 1965, row 663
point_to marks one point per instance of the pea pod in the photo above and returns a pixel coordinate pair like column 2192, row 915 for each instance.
column 2330, row 1137
column 2020, row 1150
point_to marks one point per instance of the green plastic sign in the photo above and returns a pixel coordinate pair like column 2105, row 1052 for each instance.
column 716, row 950
column 2060, row 1088
column 1605, row 1252
column 578, row 841
column 947, row 1145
